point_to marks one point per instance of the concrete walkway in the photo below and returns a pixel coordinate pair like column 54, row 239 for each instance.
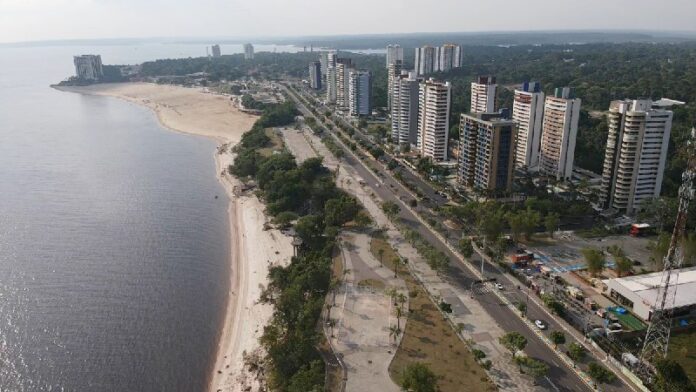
column 364, row 315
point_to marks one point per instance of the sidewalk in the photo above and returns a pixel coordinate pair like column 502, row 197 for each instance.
column 364, row 315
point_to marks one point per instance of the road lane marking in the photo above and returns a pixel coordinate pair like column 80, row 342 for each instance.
column 552, row 384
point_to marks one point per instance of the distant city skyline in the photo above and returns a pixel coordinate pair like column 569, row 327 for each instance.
column 38, row 20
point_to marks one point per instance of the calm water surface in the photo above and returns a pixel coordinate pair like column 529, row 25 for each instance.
column 113, row 249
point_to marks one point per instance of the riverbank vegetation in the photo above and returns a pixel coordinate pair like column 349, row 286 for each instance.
column 306, row 191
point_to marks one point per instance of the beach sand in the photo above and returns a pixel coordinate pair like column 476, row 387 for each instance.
column 253, row 249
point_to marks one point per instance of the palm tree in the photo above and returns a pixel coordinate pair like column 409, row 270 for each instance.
column 399, row 313
column 394, row 332
column 397, row 261
column 401, row 299
column 328, row 311
column 391, row 292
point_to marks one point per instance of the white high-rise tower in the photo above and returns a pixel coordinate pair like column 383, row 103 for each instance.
column 528, row 112
column 433, row 119
column 394, row 53
column 636, row 153
column 483, row 95
column 404, row 110
column 559, row 131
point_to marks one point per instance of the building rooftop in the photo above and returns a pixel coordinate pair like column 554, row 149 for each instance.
column 666, row 102
column 646, row 286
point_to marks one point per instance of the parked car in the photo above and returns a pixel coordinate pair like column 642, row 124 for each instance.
column 499, row 286
column 540, row 324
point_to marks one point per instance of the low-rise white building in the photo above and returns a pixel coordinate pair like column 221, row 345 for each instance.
column 638, row 293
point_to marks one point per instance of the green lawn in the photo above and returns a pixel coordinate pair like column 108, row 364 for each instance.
column 630, row 321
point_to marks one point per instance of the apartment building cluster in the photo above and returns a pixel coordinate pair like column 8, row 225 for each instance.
column 541, row 137
column 420, row 111
column 347, row 87
column 429, row 59
column 537, row 135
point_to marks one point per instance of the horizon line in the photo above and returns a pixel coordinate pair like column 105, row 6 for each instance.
column 687, row 33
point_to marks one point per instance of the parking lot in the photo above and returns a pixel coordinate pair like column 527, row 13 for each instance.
column 563, row 254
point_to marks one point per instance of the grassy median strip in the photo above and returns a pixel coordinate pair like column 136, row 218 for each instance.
column 429, row 338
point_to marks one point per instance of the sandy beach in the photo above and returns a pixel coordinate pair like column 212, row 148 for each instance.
column 253, row 249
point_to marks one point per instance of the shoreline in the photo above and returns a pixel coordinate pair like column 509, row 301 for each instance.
column 192, row 111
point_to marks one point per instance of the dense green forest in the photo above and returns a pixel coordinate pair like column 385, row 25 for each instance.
column 600, row 72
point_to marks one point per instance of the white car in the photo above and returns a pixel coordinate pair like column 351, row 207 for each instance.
column 540, row 324
column 498, row 286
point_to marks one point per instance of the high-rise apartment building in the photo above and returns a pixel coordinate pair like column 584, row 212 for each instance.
column 433, row 119
column 216, row 50
column 483, row 95
column 360, row 93
column 404, row 112
column 343, row 68
column 315, row 75
column 429, row 59
column 426, row 60
column 635, row 156
column 248, row 52
column 558, row 134
column 449, row 57
column 88, row 67
column 528, row 113
column 393, row 72
column 331, row 79
column 394, row 53
column 487, row 150
column 324, row 60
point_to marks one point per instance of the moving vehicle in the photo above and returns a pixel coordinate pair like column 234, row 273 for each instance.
column 540, row 324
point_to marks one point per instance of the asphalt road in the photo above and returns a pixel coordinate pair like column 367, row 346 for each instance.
column 560, row 378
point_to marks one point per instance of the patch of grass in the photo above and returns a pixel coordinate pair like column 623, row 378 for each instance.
column 630, row 321
column 371, row 283
column 276, row 143
column 429, row 338
column 682, row 348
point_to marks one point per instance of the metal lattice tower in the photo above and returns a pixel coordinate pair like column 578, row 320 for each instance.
column 657, row 337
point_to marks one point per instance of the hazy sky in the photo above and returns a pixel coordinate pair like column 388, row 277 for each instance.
column 28, row 20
